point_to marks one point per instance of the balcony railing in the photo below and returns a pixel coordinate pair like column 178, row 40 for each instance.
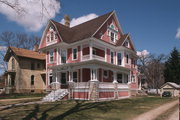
column 87, row 57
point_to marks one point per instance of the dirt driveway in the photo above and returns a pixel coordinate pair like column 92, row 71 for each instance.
column 154, row 113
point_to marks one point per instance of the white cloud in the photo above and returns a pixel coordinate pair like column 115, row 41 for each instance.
column 142, row 53
column 82, row 19
column 31, row 17
column 3, row 48
column 178, row 33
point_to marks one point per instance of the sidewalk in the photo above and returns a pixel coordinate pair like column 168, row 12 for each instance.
column 154, row 113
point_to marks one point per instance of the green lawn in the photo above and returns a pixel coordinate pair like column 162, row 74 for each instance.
column 17, row 96
column 124, row 109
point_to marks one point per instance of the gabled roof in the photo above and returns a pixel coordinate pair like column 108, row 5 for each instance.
column 25, row 53
column 81, row 31
column 174, row 85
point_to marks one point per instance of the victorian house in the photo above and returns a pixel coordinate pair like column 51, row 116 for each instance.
column 26, row 71
column 94, row 60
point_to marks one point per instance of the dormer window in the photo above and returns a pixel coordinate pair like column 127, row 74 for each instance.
column 112, row 33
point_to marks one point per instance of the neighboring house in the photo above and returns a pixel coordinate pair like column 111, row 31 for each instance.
column 171, row 87
column 2, row 84
column 26, row 71
column 94, row 60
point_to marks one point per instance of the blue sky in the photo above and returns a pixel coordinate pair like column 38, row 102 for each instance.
column 152, row 24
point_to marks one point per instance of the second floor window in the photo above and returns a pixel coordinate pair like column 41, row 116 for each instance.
column 112, row 57
column 74, row 53
column 119, row 59
column 63, row 56
column 13, row 64
column 32, row 79
column 51, row 56
column 127, row 58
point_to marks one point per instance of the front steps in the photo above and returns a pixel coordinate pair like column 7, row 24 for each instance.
column 55, row 95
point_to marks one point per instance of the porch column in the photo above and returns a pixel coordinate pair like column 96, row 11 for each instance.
column 56, row 76
column 115, row 77
column 70, row 76
column 90, row 50
column 93, row 72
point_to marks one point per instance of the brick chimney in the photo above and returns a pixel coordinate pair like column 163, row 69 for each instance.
column 36, row 46
column 67, row 20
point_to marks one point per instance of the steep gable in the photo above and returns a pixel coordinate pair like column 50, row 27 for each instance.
column 110, row 27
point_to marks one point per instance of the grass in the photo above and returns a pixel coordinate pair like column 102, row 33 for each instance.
column 124, row 109
column 17, row 96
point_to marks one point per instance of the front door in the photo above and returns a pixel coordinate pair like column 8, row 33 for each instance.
column 63, row 78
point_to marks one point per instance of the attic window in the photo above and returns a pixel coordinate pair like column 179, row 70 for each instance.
column 112, row 33
column 126, row 44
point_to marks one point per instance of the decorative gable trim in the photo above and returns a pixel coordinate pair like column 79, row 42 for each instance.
column 45, row 31
column 103, row 24
column 130, row 40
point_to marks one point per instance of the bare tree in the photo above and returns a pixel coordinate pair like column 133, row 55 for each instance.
column 14, row 4
column 19, row 40
column 152, row 67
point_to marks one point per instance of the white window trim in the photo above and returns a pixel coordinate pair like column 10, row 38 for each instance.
column 76, row 53
column 121, row 58
column 61, row 55
column 128, row 59
column 107, row 73
column 61, row 77
column 77, row 75
column 49, row 77
column 113, row 57
column 50, row 56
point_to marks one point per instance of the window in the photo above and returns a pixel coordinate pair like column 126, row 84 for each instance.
column 133, row 78
column 32, row 66
column 126, row 44
column 51, row 56
column 74, row 76
column 94, row 51
column 126, row 78
column 127, row 58
column 50, row 78
column 105, row 73
column 63, row 78
column 112, row 37
column 32, row 79
column 38, row 65
column 119, row 58
column 74, row 53
column 119, row 78
column 63, row 56
column 13, row 64
column 52, row 36
column 112, row 57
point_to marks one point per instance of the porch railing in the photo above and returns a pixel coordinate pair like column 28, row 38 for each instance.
column 106, row 85
column 81, row 85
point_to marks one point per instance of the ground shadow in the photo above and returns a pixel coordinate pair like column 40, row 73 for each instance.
column 80, row 106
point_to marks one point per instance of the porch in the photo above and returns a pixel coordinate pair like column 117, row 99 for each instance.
column 91, row 80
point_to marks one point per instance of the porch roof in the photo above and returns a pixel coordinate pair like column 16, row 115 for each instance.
column 90, row 64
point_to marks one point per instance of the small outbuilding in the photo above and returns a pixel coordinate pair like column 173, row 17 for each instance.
column 171, row 87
